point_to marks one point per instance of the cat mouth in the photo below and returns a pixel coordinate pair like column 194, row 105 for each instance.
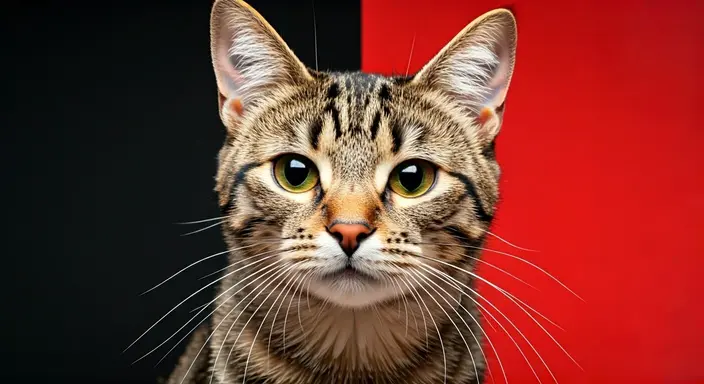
column 348, row 273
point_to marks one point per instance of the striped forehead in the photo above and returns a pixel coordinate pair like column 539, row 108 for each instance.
column 347, row 132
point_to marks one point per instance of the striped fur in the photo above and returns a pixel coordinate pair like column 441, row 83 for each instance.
column 407, row 325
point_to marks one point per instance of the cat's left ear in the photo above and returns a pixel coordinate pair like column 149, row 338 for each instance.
column 250, row 59
column 475, row 69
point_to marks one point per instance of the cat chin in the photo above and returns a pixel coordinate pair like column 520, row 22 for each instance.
column 352, row 292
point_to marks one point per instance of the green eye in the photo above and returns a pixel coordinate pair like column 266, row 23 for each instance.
column 295, row 173
column 412, row 178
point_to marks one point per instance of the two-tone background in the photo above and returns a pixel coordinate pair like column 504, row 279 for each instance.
column 110, row 132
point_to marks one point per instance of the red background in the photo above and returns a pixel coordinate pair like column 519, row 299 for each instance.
column 603, row 151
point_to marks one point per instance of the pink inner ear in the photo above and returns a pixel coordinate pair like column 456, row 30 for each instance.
column 499, row 81
column 229, row 78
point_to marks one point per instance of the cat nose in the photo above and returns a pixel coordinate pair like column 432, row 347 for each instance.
column 350, row 235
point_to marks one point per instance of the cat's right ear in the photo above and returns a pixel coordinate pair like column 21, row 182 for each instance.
column 250, row 59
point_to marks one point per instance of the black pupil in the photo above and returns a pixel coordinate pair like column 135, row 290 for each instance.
column 411, row 177
column 296, row 172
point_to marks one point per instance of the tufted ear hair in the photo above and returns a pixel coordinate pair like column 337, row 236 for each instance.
column 475, row 68
column 250, row 59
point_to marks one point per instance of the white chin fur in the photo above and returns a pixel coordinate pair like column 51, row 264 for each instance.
column 352, row 292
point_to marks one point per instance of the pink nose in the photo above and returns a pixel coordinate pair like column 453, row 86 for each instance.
column 350, row 235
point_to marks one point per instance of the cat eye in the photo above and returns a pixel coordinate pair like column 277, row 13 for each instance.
column 412, row 178
column 295, row 173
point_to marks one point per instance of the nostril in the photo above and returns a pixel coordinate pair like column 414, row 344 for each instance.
column 338, row 236
column 363, row 235
column 349, row 236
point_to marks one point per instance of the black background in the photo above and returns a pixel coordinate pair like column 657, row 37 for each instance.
column 110, row 134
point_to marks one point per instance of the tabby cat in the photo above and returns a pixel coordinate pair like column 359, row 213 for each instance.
column 354, row 207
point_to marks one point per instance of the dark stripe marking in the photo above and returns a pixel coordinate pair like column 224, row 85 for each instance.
column 375, row 124
column 239, row 177
column 402, row 80
column 384, row 93
column 490, row 151
column 315, row 130
column 472, row 191
column 333, row 91
column 396, row 137
column 330, row 108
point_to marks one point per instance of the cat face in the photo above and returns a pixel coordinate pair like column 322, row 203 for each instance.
column 360, row 184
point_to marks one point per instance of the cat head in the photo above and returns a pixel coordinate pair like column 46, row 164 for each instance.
column 351, row 180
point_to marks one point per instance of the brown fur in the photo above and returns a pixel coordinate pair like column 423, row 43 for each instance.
column 277, row 319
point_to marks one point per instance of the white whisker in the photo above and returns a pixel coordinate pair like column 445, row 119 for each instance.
column 188, row 298
column 202, row 221
column 203, row 229
column 214, row 331
column 467, row 325
column 276, row 315
column 442, row 345
column 479, row 260
column 414, row 293
column 507, row 242
column 405, row 304
column 439, row 273
column 469, row 350
column 193, row 317
column 261, row 272
column 196, row 263
column 259, row 292
column 413, row 45
column 268, row 281
column 507, row 319
column 254, row 339
column 520, row 259
column 288, row 310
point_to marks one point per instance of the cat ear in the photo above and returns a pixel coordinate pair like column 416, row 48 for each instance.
column 475, row 68
column 250, row 59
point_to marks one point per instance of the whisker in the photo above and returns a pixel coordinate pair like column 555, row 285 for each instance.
column 516, row 298
column 315, row 35
column 300, row 323
column 268, row 281
column 259, row 292
column 203, row 229
column 203, row 221
column 413, row 293
column 188, row 298
column 194, row 316
column 469, row 350
column 410, row 55
column 199, row 307
column 442, row 345
column 196, row 263
column 517, row 258
column 479, row 260
column 254, row 339
column 260, row 272
column 413, row 44
column 440, row 273
column 276, row 315
column 467, row 325
column 213, row 333
column 405, row 304
column 507, row 242
column 502, row 291
column 231, row 265
column 288, row 310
